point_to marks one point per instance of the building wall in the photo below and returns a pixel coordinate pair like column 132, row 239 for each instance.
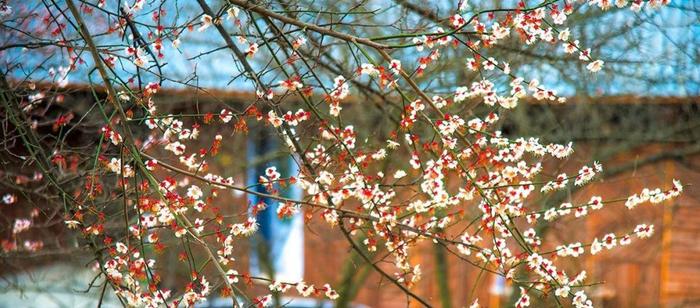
column 662, row 271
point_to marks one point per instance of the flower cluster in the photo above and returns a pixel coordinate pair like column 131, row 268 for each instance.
column 445, row 173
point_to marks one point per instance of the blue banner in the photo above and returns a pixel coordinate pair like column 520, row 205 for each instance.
column 278, row 246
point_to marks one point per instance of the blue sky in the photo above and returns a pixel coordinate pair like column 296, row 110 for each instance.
column 668, row 52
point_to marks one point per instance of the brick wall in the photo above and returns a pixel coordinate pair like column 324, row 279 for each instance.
column 661, row 271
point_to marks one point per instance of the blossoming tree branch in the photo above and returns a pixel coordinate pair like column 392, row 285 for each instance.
column 443, row 174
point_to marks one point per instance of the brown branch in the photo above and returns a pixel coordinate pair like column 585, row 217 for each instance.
column 84, row 32
column 377, row 268
column 250, row 6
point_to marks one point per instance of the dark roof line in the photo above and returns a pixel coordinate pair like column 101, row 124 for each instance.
column 204, row 94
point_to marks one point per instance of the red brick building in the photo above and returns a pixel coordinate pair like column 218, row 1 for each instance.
column 663, row 271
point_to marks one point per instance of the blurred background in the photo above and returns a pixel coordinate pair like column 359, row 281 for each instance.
column 640, row 117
